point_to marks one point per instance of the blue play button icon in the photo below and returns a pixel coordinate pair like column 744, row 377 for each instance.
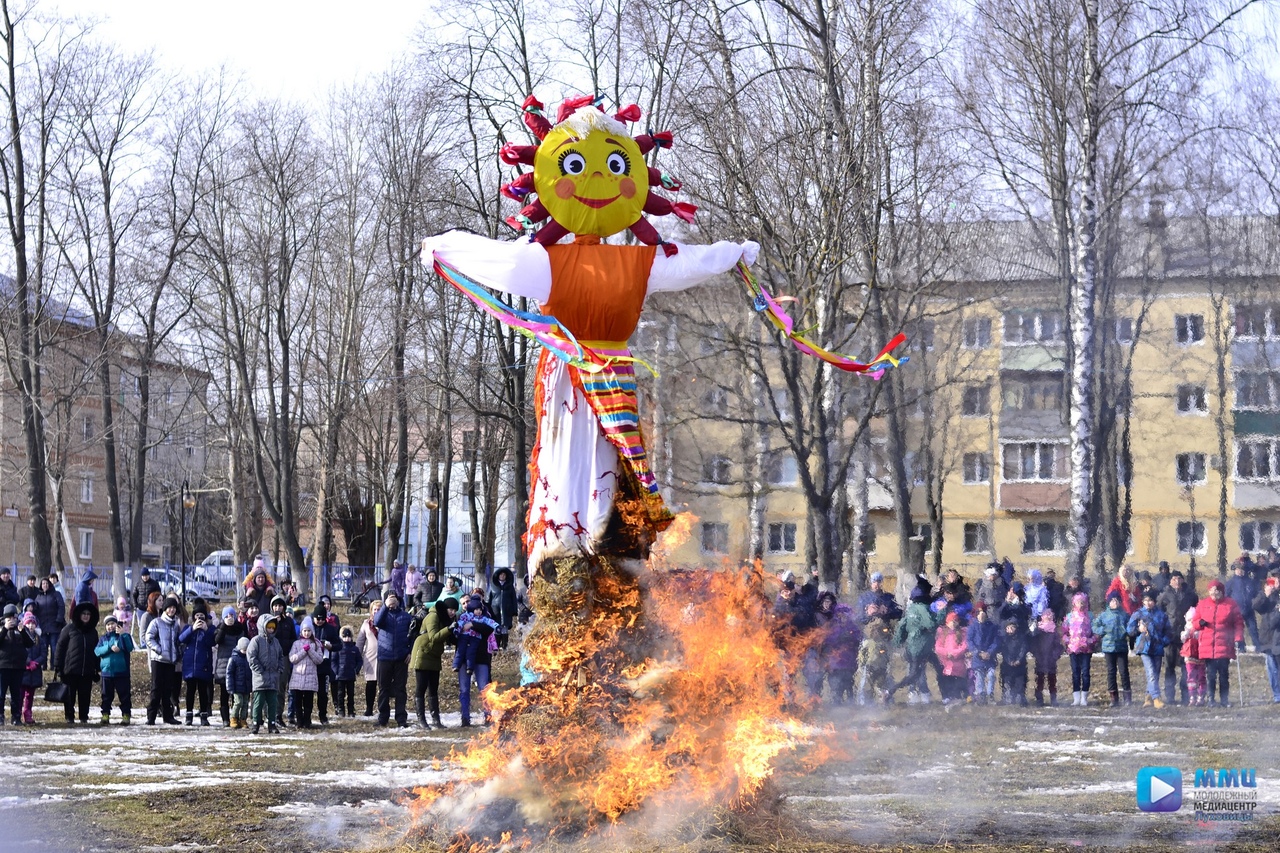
column 1159, row 789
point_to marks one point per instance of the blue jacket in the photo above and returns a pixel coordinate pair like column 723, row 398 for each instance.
column 115, row 663
column 1242, row 590
column 84, row 592
column 197, row 653
column 983, row 637
column 1157, row 627
column 1112, row 626
column 239, row 676
column 393, row 633
column 347, row 661
column 893, row 610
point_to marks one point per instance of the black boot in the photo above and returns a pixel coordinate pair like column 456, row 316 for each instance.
column 422, row 720
column 189, row 716
column 1115, row 698
column 435, row 721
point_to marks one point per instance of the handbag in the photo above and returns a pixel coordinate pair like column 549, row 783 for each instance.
column 56, row 693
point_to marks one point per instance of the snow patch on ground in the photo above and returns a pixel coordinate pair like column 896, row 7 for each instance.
column 1085, row 747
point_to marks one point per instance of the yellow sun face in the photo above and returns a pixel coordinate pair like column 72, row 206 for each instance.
column 593, row 183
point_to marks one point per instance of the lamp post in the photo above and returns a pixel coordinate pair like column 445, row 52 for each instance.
column 188, row 502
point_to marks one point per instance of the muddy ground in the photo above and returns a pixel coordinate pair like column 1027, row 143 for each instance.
column 902, row 777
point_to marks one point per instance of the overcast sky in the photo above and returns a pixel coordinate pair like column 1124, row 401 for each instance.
column 294, row 48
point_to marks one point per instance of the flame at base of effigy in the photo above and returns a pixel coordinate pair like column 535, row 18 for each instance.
column 660, row 691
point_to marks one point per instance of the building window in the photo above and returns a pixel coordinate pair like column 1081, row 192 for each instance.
column 1258, row 536
column 468, row 548
column 869, row 539
column 1190, row 468
column 922, row 334
column 1044, row 537
column 1191, row 537
column 87, row 428
column 1033, row 461
column 1124, row 330
column 1033, row 327
column 782, row 400
column 1191, row 398
column 1256, row 460
column 782, row 538
column 1189, row 328
column 1257, row 390
column 86, row 544
column 977, row 333
column 86, row 490
column 1257, row 321
column 715, row 538
column 977, row 468
column 977, row 539
column 168, row 395
column 924, row 532
column 151, row 534
column 1033, row 395
column 783, row 469
column 191, row 451
column 976, row 401
column 716, row 402
column 470, row 442
column 717, row 470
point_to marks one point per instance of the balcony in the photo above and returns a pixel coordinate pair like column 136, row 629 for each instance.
column 1255, row 354
column 1255, row 494
column 1034, row 358
column 1032, row 424
column 1035, row 496
column 1252, row 422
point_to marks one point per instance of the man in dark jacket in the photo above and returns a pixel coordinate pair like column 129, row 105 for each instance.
column 286, row 634
column 394, row 643
column 142, row 590
column 429, row 590
column 8, row 592
column 52, row 618
column 15, row 645
column 992, row 589
column 1242, row 589
column 1057, row 594
column 75, row 661
column 1265, row 606
column 28, row 592
column 875, row 602
column 329, row 636
column 1178, row 597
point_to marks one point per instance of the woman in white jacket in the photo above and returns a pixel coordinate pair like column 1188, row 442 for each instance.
column 367, row 643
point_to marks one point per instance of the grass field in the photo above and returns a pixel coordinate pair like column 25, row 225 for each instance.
column 901, row 778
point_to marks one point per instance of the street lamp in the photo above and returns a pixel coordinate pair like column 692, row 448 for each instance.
column 188, row 502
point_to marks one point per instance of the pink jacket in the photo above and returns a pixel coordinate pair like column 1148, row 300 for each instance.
column 1226, row 628
column 951, row 646
column 1077, row 632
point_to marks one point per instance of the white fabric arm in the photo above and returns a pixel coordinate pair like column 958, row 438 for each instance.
column 519, row 268
column 695, row 264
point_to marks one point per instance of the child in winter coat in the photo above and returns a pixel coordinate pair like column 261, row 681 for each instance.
column 915, row 631
column 16, row 643
column 266, row 661
column 470, row 640
column 124, row 614
column 114, row 650
column 874, row 656
column 1080, row 641
column 983, row 638
column 198, row 651
column 239, row 683
column 951, row 646
column 1112, row 626
column 306, row 657
column 1150, row 627
column 225, row 639
column 347, row 662
column 33, row 678
column 1190, row 651
column 840, row 652
column 1046, row 645
column 1013, row 664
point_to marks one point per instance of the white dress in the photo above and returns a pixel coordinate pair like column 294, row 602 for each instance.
column 576, row 469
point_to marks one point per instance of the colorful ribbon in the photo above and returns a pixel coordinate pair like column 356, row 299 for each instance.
column 766, row 304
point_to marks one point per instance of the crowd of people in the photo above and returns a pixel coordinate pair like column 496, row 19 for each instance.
column 269, row 661
column 1013, row 633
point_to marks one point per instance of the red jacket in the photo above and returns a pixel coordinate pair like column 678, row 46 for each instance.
column 1225, row 628
column 1127, row 599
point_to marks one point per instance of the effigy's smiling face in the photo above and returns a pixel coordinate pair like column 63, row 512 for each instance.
column 595, row 183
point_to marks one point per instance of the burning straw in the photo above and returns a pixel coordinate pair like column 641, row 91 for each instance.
column 667, row 691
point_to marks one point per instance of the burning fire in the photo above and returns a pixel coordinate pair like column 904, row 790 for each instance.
column 659, row 689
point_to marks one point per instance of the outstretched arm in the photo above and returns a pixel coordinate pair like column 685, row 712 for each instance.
column 695, row 264
column 519, row 268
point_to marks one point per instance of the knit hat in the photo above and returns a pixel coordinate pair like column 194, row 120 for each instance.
column 228, row 612
column 29, row 619
column 1217, row 584
column 1164, row 564
column 10, row 610
column 111, row 620
column 170, row 602
column 953, row 617
column 919, row 594
column 279, row 598
column 1035, row 575
column 199, row 605
column 979, row 606
column 876, row 576
column 1149, row 595
column 242, row 644
column 989, row 570
column 1018, row 589
column 1175, row 574
column 1047, row 622
column 1078, row 599
column 1114, row 595
column 390, row 594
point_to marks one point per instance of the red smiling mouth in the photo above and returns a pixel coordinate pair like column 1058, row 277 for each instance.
column 597, row 202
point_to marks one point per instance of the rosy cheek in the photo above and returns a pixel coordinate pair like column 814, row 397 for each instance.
column 565, row 188
column 627, row 188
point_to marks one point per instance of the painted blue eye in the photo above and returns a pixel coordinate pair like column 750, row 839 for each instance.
column 573, row 163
